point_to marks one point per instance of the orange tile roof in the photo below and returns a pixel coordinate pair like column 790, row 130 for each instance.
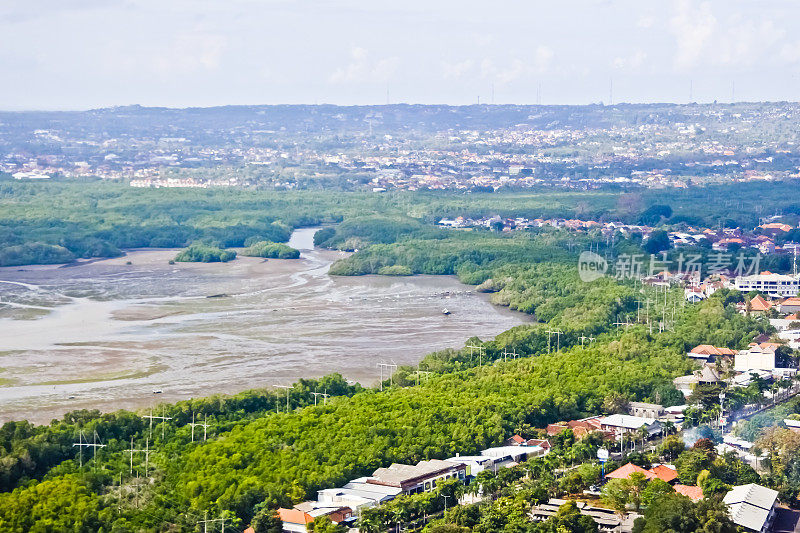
column 707, row 349
column 794, row 300
column 759, row 304
column 664, row 473
column 294, row 516
column 693, row 492
column 624, row 472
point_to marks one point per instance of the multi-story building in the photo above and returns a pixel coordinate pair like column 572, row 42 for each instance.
column 773, row 285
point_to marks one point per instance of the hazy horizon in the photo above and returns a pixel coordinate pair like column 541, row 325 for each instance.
column 90, row 54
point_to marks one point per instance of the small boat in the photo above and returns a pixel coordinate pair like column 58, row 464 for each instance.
column 445, row 311
column 157, row 391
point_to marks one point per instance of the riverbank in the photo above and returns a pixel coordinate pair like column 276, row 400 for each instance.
column 107, row 334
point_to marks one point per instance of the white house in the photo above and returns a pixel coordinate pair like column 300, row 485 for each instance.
column 624, row 424
column 756, row 357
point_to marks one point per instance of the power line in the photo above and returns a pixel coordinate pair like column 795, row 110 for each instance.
column 481, row 351
column 390, row 367
column 204, row 425
column 162, row 417
column 81, row 445
column 207, row 521
column 288, row 388
column 145, row 451
column 557, row 333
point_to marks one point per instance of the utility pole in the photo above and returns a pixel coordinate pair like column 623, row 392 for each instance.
column 162, row 417
column 481, row 351
column 424, row 373
column 132, row 451
column 207, row 521
column 323, row 394
column 391, row 368
column 557, row 333
column 93, row 445
column 204, row 425
column 288, row 388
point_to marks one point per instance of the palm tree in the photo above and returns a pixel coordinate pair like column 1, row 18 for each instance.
column 643, row 434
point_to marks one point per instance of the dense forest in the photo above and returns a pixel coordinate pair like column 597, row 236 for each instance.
column 60, row 221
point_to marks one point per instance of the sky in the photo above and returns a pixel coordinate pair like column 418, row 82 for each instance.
column 83, row 54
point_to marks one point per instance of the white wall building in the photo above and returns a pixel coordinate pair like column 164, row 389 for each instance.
column 773, row 285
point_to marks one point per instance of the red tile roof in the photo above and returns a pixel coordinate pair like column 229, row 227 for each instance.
column 707, row 349
column 624, row 472
column 293, row 516
column 664, row 473
column 759, row 304
column 693, row 492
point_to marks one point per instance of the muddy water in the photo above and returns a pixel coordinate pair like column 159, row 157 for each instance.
column 107, row 334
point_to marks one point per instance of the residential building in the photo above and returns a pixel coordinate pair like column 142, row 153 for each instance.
column 607, row 520
column 665, row 473
column 773, row 285
column 789, row 305
column 752, row 506
column 419, row 478
column 294, row 521
column 620, row 425
column 358, row 495
column 646, row 410
column 707, row 352
column 756, row 357
column 692, row 491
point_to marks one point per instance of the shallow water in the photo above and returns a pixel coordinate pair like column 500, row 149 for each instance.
column 105, row 334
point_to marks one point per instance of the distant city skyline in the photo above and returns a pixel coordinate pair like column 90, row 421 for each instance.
column 87, row 54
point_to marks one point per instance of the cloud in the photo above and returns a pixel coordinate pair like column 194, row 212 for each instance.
column 693, row 28
column 363, row 70
column 790, row 52
column 192, row 50
column 458, row 69
column 645, row 21
column 542, row 58
column 635, row 60
column 517, row 68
